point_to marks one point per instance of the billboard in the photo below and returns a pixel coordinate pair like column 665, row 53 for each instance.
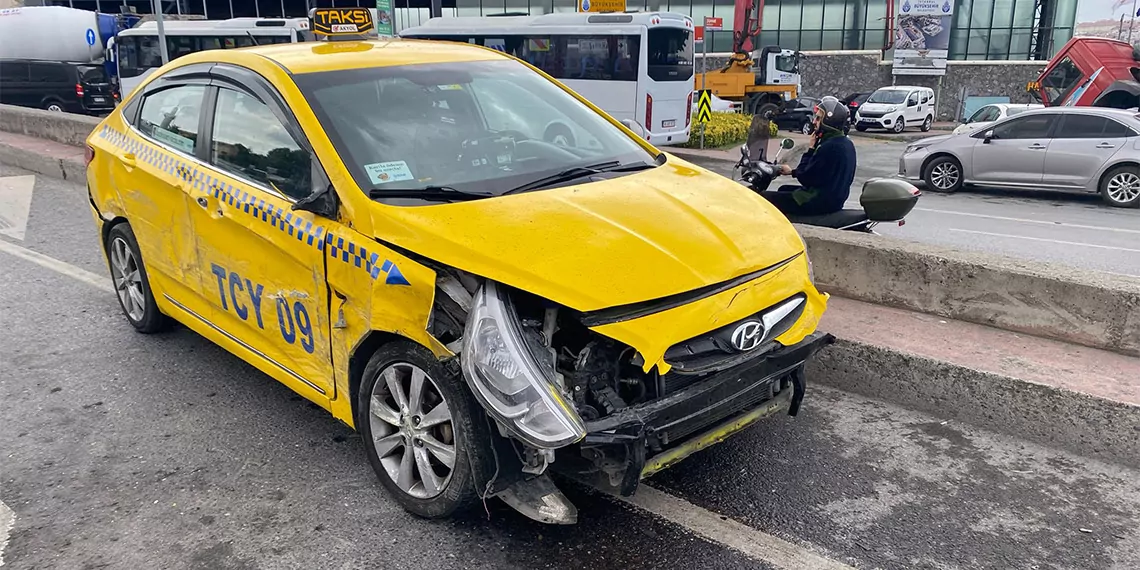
column 922, row 37
column 1114, row 19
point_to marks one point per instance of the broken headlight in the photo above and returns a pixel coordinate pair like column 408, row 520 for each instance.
column 506, row 378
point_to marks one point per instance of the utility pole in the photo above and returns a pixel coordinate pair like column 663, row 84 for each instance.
column 156, row 5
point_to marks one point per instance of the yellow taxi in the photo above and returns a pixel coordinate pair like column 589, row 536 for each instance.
column 381, row 226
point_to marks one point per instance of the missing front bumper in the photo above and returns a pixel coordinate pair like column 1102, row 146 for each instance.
column 621, row 449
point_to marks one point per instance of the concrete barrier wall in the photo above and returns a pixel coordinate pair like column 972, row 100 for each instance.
column 66, row 128
column 1068, row 304
column 1097, row 310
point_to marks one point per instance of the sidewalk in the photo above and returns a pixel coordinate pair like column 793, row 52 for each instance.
column 43, row 156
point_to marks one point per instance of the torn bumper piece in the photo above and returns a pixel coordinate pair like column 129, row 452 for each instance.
column 658, row 434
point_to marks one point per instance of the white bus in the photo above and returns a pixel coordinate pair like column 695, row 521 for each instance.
column 137, row 53
column 634, row 66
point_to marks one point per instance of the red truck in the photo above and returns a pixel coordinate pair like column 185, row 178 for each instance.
column 1091, row 72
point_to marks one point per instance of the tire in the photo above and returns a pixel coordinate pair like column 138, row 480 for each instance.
column 54, row 106
column 762, row 108
column 132, row 286
column 466, row 427
column 1120, row 187
column 927, row 124
column 943, row 174
column 806, row 128
column 560, row 135
column 899, row 126
column 861, row 128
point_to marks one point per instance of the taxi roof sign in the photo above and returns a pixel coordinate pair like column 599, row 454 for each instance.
column 342, row 23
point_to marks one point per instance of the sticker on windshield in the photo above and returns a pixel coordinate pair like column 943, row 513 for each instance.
column 177, row 141
column 385, row 172
column 452, row 87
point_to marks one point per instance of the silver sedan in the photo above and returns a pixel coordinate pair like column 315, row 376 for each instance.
column 1088, row 149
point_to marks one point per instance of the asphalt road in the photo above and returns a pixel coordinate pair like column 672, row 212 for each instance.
column 1068, row 228
column 119, row 450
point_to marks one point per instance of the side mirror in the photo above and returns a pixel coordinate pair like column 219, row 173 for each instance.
column 787, row 144
column 989, row 135
column 744, row 150
column 634, row 126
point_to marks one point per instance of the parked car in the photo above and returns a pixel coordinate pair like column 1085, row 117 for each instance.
column 797, row 115
column 718, row 105
column 853, row 101
column 988, row 114
column 1092, row 149
column 57, row 86
column 897, row 107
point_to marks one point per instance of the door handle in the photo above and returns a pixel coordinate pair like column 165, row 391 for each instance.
column 129, row 160
column 1105, row 145
column 203, row 202
column 1036, row 147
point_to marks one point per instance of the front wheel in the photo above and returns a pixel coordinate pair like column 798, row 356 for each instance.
column 899, row 125
column 806, row 128
column 861, row 128
column 927, row 124
column 943, row 174
column 423, row 432
column 1121, row 187
column 128, row 274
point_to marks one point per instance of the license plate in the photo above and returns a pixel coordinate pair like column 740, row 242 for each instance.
column 668, row 124
column 99, row 99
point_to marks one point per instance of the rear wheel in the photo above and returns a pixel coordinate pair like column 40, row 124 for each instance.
column 132, row 286
column 927, row 124
column 762, row 108
column 424, row 434
column 53, row 106
column 1120, row 187
column 861, row 128
column 943, row 174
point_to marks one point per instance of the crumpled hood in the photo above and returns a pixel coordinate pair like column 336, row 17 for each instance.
column 600, row 244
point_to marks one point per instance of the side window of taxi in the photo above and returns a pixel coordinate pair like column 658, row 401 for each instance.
column 250, row 142
column 171, row 116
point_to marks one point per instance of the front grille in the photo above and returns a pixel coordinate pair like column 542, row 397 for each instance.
column 870, row 114
column 762, row 392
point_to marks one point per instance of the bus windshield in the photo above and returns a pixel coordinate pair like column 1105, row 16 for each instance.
column 670, row 54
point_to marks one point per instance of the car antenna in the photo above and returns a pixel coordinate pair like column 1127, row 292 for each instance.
column 253, row 39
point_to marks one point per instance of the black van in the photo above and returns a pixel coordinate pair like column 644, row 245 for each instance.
column 57, row 86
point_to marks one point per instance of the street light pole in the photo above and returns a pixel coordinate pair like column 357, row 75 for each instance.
column 156, row 5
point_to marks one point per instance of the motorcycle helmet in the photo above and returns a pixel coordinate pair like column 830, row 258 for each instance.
column 831, row 113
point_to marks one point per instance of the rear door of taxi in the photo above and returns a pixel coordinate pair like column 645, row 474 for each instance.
column 262, row 262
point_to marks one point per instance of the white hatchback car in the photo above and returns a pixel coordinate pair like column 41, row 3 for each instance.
column 988, row 114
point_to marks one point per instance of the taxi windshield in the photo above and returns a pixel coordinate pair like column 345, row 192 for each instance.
column 483, row 128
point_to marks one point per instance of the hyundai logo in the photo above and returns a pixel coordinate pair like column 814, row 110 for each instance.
column 747, row 336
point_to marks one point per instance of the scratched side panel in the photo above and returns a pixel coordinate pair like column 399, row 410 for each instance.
column 393, row 295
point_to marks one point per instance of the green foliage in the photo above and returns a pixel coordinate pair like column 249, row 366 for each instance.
column 722, row 130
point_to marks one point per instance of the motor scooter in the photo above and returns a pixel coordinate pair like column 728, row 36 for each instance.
column 883, row 200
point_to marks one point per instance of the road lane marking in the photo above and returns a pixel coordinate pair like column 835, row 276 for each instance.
column 1057, row 241
column 15, row 204
column 58, row 266
column 7, row 521
column 730, row 533
column 1028, row 221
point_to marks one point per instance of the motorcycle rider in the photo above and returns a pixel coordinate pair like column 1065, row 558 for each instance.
column 825, row 172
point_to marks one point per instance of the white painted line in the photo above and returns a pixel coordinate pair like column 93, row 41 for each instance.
column 729, row 533
column 15, row 204
column 58, row 266
column 1057, row 241
column 1028, row 221
column 7, row 521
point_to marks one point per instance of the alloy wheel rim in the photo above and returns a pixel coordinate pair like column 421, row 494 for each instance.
column 806, row 129
column 55, row 108
column 412, row 430
column 899, row 126
column 128, row 279
column 1124, row 187
column 944, row 176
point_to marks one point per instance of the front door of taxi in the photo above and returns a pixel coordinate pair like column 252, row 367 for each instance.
column 262, row 262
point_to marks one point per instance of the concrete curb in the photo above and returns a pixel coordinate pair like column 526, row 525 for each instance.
column 1046, row 300
column 1083, row 424
column 43, row 164
column 66, row 128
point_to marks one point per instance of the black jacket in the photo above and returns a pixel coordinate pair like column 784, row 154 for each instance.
column 826, row 173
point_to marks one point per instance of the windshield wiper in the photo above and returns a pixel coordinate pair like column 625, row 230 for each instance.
column 580, row 172
column 435, row 193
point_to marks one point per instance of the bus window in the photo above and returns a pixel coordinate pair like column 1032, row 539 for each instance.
column 137, row 54
column 1061, row 81
column 670, row 54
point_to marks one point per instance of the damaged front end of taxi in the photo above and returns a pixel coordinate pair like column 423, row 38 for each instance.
column 567, row 396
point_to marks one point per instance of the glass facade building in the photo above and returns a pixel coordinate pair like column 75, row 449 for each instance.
column 982, row 29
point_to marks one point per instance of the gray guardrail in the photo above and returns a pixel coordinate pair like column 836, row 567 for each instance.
column 1083, row 307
